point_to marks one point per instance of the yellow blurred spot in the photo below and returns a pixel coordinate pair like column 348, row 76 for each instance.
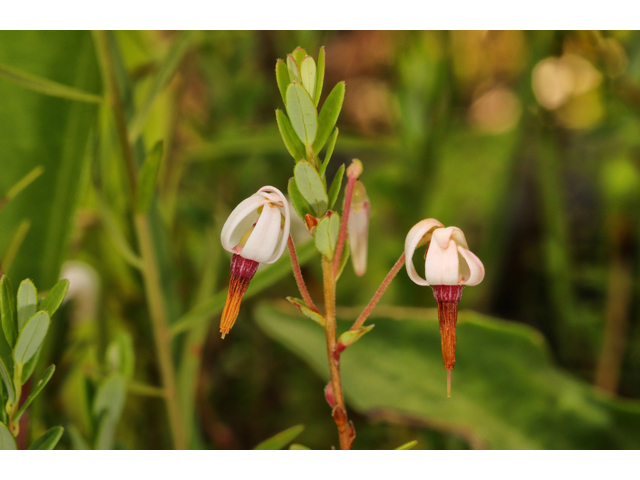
column 496, row 111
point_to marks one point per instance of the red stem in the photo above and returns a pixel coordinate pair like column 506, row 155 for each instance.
column 297, row 273
column 351, row 181
column 378, row 295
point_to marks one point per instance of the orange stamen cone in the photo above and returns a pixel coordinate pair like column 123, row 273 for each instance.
column 448, row 297
column 242, row 271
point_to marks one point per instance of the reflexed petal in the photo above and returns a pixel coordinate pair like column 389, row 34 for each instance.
column 240, row 220
column 263, row 240
column 444, row 235
column 414, row 237
column 476, row 268
column 441, row 265
column 278, row 196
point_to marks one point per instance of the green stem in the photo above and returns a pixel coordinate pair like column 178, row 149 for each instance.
column 17, row 386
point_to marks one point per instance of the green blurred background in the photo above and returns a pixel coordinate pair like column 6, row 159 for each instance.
column 528, row 141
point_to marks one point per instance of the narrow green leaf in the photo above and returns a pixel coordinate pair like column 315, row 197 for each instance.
column 8, row 310
column 289, row 137
column 31, row 337
column 316, row 317
column 308, row 76
column 7, row 441
column 329, row 116
column 302, row 113
column 46, row 86
column 298, row 54
column 281, row 439
column 300, row 205
column 311, row 188
column 27, row 302
column 326, row 236
column 335, row 187
column 319, row 77
column 297, row 446
column 48, row 373
column 349, row 337
column 294, row 70
column 330, row 147
column 408, row 445
column 282, row 78
column 55, row 297
column 48, row 440
column 15, row 243
column 345, row 257
column 7, row 379
column 148, row 178
column 166, row 72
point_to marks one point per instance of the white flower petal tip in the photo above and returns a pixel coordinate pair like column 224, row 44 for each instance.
column 448, row 260
column 255, row 229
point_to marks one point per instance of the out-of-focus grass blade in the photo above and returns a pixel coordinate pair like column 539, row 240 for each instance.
column 280, row 440
column 263, row 279
column 45, row 86
column 21, row 184
column 408, row 445
column 148, row 177
column 167, row 70
column 15, row 243
column 48, row 440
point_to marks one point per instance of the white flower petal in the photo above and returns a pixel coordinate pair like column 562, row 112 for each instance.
column 441, row 264
column 476, row 268
column 240, row 220
column 263, row 240
column 284, row 233
column 411, row 243
column 444, row 235
column 358, row 232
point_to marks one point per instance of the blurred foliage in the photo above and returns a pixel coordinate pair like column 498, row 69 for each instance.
column 526, row 140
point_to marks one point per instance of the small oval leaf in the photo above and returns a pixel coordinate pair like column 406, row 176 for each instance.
column 281, row 439
column 282, row 78
column 48, row 440
column 27, row 302
column 298, row 54
column 308, row 76
column 330, row 146
column 315, row 316
column 302, row 113
column 55, row 297
column 329, row 116
column 311, row 187
column 300, row 205
column 289, row 137
column 31, row 337
column 294, row 70
column 319, row 77
column 326, row 235
column 335, row 186
column 7, row 441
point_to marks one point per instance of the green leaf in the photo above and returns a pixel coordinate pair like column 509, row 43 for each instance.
column 148, row 178
column 55, row 297
column 300, row 205
column 7, row 379
column 311, row 188
column 30, row 366
column 8, row 310
column 299, row 54
column 21, row 184
column 280, row 440
column 408, row 445
column 264, row 278
column 335, row 187
column 294, row 70
column 505, row 385
column 48, row 373
column 315, row 316
column 7, row 441
column 31, row 337
column 46, row 86
column 350, row 337
column 27, row 302
column 78, row 441
column 308, row 76
column 326, row 235
column 345, row 256
column 107, row 406
column 48, row 440
column 166, row 72
column 297, row 446
column 329, row 116
column 302, row 113
column 330, row 146
column 120, row 355
column 289, row 137
column 319, row 77
column 282, row 78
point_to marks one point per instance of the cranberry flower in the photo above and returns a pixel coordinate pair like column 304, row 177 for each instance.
column 449, row 266
column 256, row 232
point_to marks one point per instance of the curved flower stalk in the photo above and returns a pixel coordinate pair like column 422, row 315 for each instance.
column 449, row 266
column 256, row 232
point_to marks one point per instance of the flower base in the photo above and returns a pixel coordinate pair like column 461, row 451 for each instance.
column 242, row 271
column 448, row 297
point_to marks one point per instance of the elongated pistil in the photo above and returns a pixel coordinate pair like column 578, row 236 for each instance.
column 448, row 297
column 242, row 271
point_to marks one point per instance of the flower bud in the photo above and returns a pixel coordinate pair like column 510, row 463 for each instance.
column 358, row 228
